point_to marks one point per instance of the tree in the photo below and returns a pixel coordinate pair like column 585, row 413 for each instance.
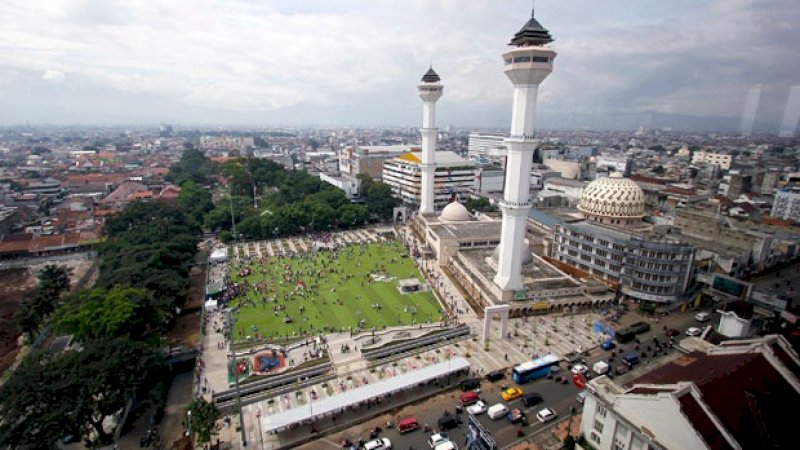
column 54, row 280
column 201, row 418
column 481, row 204
column 27, row 318
column 194, row 201
column 99, row 314
column 378, row 197
column 351, row 215
column 194, row 166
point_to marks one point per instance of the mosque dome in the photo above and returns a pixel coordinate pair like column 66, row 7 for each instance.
column 612, row 197
column 527, row 257
column 455, row 212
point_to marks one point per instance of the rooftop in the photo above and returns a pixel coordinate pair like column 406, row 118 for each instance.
column 532, row 33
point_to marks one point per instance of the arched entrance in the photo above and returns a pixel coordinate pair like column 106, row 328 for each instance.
column 491, row 311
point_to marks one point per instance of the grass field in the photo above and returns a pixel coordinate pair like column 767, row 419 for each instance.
column 338, row 295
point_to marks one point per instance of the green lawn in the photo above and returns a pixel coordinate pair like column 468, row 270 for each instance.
column 353, row 289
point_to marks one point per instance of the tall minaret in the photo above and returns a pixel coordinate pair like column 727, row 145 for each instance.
column 430, row 90
column 526, row 65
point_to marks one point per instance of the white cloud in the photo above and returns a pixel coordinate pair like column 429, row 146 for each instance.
column 259, row 58
column 53, row 75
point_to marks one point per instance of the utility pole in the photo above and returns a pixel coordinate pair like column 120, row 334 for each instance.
column 236, row 381
column 233, row 228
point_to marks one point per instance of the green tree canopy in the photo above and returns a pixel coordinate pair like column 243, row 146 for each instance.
column 99, row 314
column 201, row 418
column 194, row 166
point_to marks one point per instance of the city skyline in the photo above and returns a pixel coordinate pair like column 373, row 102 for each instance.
column 357, row 63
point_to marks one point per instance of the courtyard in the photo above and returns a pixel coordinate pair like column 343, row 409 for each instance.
column 350, row 288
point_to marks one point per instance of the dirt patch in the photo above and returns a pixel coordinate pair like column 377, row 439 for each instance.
column 14, row 285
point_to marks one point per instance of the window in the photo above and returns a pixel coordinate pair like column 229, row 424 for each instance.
column 542, row 59
column 601, row 411
column 595, row 438
column 618, row 444
column 598, row 426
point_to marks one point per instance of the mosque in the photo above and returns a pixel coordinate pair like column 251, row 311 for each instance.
column 526, row 261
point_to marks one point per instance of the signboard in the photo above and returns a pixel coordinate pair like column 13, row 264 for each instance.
column 520, row 295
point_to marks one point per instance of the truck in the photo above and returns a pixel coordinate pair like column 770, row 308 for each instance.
column 600, row 367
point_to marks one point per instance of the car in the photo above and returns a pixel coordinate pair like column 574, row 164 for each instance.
column 608, row 345
column 497, row 411
column 509, row 394
column 449, row 445
column 469, row 397
column 470, row 384
column 579, row 369
column 693, row 331
column 546, row 415
column 408, row 424
column 702, row 317
column 496, row 375
column 534, row 398
column 517, row 416
column 640, row 327
column 448, row 421
column 477, row 408
column 378, row 444
column 672, row 332
column 630, row 359
column 437, row 439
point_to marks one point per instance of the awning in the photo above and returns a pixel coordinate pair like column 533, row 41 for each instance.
column 360, row 394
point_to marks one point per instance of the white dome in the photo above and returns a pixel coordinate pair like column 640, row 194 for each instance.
column 614, row 196
column 455, row 212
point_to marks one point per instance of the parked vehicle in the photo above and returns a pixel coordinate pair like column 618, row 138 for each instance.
column 471, row 384
column 516, row 416
column 477, row 408
column 624, row 335
column 497, row 411
column 469, row 397
column 608, row 345
column 579, row 369
column 378, row 444
column 546, row 415
column 600, row 367
column 630, row 359
column 448, row 422
column 702, row 317
column 437, row 439
column 509, row 394
column 496, row 375
column 407, row 424
column 449, row 445
column 640, row 327
column 534, row 398
column 694, row 331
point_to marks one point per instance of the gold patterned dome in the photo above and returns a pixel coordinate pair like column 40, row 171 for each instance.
column 613, row 197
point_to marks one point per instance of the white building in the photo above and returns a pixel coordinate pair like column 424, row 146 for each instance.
column 722, row 160
column 481, row 143
column 572, row 189
column 454, row 176
column 787, row 204
column 351, row 185
column 618, row 163
column 731, row 396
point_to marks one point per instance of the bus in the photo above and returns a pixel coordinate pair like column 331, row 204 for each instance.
column 532, row 370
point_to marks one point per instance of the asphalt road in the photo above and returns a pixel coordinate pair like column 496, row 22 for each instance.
column 556, row 395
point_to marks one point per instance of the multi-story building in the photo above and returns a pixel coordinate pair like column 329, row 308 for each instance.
column 571, row 189
column 787, row 204
column 731, row 396
column 369, row 159
column 735, row 184
column 454, row 177
column 481, row 143
column 226, row 142
column 615, row 246
column 722, row 160
column 618, row 163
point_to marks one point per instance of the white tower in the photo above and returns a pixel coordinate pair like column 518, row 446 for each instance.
column 526, row 65
column 430, row 90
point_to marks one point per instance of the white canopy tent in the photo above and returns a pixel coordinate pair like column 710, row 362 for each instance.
column 367, row 392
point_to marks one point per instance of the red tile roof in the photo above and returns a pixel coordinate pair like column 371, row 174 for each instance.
column 743, row 390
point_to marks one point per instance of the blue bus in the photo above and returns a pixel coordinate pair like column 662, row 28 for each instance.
column 532, row 370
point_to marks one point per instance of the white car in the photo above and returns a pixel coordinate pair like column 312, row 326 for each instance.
column 579, row 368
column 378, row 444
column 438, row 439
column 693, row 331
column 477, row 408
column 546, row 415
column 701, row 317
column 449, row 445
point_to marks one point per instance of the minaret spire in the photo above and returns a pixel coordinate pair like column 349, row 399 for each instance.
column 430, row 90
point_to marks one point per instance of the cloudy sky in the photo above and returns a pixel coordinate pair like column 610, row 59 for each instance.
column 354, row 62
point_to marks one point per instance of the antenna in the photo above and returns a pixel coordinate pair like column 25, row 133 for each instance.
column 533, row 7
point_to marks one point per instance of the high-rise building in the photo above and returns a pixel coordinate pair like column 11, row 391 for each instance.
column 481, row 143
column 787, row 204
column 454, row 177
column 527, row 64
